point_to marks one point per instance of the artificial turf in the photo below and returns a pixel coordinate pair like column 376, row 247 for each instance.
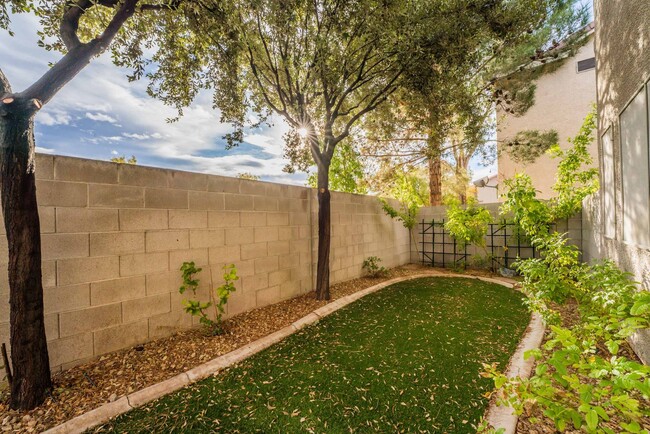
column 405, row 359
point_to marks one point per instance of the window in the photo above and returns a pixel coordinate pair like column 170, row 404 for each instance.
column 635, row 171
column 608, row 185
column 587, row 64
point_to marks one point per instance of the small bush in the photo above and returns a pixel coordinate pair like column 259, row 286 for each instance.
column 371, row 265
column 218, row 297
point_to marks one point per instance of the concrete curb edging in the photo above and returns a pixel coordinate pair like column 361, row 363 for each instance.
column 133, row 400
column 499, row 416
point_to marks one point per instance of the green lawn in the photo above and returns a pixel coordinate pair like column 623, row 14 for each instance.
column 405, row 359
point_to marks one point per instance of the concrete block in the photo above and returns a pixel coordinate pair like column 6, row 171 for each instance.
column 278, row 277
column 69, row 349
column 279, row 248
column 51, row 321
column 46, row 215
column 223, row 184
column 48, row 272
column 44, row 165
column 263, row 203
column 290, row 289
column 116, row 290
column 207, row 238
column 178, row 257
column 64, row 298
column 163, row 282
column 255, row 283
column 238, row 202
column 206, row 200
column 292, row 260
column 163, row 241
column 252, row 218
column 266, row 265
column 228, row 219
column 115, row 196
column 189, row 181
column 82, row 170
column 298, row 246
column 277, row 219
column 166, row 198
column 268, row 296
column 143, row 176
column 252, row 251
column 122, row 336
column 247, row 186
column 116, row 243
column 86, row 220
column 82, row 270
column 239, row 236
column 224, row 254
column 169, row 323
column 188, row 219
column 93, row 318
column 143, row 263
column 241, row 301
column 62, row 246
column 142, row 308
column 286, row 233
column 60, row 194
column 246, row 268
column 143, row 219
column 264, row 234
column 300, row 218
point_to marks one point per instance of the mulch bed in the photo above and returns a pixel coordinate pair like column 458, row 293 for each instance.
column 88, row 386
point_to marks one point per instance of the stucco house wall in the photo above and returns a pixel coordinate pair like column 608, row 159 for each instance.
column 562, row 100
column 622, row 43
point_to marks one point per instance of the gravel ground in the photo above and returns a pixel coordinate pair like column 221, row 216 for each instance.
column 88, row 386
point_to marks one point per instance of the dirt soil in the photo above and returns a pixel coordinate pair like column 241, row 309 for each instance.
column 88, row 386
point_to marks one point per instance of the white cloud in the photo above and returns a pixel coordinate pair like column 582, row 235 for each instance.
column 101, row 117
column 136, row 136
column 45, row 150
column 51, row 118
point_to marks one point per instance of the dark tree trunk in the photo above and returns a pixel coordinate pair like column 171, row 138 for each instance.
column 435, row 180
column 324, row 234
column 29, row 356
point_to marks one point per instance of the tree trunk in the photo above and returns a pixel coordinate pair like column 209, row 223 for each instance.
column 29, row 356
column 435, row 180
column 324, row 235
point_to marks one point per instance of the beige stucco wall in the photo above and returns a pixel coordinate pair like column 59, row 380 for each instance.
column 115, row 235
column 562, row 100
column 623, row 66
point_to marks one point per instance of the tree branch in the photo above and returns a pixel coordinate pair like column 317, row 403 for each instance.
column 77, row 57
column 5, row 86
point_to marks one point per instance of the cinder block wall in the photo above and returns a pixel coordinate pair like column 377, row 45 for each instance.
column 114, row 237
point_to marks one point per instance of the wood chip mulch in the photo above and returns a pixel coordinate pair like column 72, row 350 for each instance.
column 88, row 386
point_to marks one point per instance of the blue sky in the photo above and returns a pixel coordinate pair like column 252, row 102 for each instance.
column 99, row 114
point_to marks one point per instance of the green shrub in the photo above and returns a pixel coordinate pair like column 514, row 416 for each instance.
column 218, row 297
column 372, row 267
column 582, row 378
column 467, row 224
